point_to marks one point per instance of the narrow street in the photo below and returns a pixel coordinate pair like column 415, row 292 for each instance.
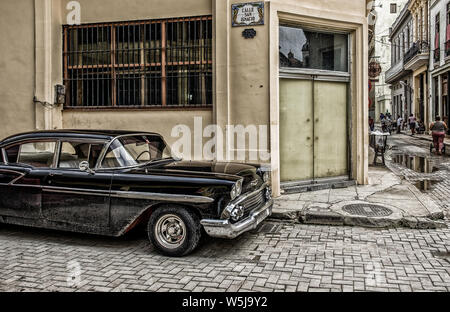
column 279, row 256
column 432, row 175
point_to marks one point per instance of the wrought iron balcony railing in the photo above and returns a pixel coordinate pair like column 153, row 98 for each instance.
column 418, row 47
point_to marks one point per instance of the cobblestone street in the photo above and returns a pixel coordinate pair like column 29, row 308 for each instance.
column 435, row 173
column 291, row 258
column 279, row 256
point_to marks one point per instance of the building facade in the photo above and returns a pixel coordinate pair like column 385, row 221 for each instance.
column 440, row 61
column 298, row 76
column 386, row 15
column 417, row 59
column 400, row 78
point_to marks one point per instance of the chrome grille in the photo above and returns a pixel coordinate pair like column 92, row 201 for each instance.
column 253, row 202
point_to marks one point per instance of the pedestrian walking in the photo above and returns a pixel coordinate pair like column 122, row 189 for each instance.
column 412, row 124
column 438, row 128
column 399, row 123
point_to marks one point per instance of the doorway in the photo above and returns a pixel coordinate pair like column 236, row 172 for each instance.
column 313, row 129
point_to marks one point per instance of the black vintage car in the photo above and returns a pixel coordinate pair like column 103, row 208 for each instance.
column 108, row 182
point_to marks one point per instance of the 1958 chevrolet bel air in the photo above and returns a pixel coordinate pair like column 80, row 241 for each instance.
column 108, row 182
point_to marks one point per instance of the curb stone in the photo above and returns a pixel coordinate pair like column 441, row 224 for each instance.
column 334, row 218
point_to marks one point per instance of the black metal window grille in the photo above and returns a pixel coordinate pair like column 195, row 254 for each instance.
column 143, row 64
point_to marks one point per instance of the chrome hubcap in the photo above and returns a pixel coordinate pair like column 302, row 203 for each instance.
column 170, row 231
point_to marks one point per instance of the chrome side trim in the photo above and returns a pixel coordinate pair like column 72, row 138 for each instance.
column 225, row 229
column 74, row 191
column 133, row 195
column 163, row 197
column 21, row 175
column 17, row 179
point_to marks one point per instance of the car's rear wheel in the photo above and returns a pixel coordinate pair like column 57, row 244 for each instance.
column 174, row 231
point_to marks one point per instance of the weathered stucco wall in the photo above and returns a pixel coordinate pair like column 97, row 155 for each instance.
column 94, row 11
column 159, row 121
column 16, row 67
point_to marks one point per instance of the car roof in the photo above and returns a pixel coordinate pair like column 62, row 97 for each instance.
column 71, row 134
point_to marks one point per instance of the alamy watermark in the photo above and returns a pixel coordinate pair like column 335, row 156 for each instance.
column 74, row 15
column 213, row 142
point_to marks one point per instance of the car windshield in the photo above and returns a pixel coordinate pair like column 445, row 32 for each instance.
column 129, row 151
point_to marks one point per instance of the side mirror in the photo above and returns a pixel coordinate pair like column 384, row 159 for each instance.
column 84, row 166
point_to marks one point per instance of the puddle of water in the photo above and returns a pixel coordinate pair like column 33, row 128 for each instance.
column 426, row 185
column 419, row 164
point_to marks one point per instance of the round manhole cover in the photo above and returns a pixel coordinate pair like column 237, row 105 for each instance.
column 368, row 210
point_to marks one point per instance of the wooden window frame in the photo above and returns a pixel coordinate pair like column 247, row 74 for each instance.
column 202, row 74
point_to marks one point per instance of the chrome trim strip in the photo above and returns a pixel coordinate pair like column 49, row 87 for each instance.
column 163, row 197
column 225, row 229
column 17, row 179
column 21, row 175
column 74, row 191
column 133, row 195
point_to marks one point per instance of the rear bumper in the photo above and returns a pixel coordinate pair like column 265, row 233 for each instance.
column 225, row 229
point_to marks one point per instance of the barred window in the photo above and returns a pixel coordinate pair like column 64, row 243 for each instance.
column 140, row 64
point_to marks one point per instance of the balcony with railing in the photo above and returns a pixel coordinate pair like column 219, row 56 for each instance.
column 394, row 72
column 417, row 56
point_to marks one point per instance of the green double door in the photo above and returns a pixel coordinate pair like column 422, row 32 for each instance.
column 313, row 129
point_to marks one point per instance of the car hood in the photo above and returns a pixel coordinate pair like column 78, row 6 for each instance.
column 228, row 172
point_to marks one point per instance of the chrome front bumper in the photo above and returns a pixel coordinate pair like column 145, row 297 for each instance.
column 226, row 229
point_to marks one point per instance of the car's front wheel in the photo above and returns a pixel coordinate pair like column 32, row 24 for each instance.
column 174, row 231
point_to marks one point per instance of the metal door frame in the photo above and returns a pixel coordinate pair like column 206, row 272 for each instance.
column 323, row 75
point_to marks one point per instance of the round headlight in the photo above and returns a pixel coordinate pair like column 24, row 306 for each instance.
column 233, row 192
column 236, row 190
column 238, row 187
column 266, row 176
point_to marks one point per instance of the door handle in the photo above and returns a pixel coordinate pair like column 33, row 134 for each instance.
column 308, row 120
column 308, row 138
column 56, row 174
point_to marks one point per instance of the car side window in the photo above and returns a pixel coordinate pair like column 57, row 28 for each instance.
column 36, row 154
column 73, row 153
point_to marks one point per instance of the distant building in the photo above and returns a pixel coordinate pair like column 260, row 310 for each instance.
column 401, row 40
column 386, row 15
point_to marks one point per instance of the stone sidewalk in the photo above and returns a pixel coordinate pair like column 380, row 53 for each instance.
column 388, row 201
